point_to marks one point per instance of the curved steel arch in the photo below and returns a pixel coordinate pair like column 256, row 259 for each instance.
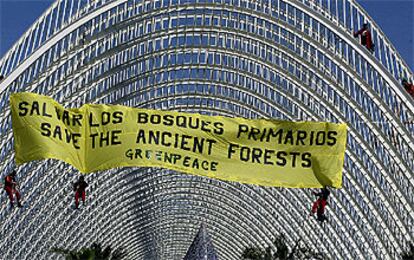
column 92, row 53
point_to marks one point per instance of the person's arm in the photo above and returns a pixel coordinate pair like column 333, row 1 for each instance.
column 13, row 182
column 407, row 86
column 358, row 33
column 7, row 180
column 370, row 44
column 318, row 194
column 411, row 89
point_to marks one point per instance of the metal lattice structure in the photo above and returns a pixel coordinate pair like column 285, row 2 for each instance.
column 293, row 60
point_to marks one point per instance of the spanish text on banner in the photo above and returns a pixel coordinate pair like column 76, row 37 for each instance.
column 99, row 137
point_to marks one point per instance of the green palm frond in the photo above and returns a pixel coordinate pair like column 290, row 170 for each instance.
column 409, row 254
column 281, row 251
column 94, row 252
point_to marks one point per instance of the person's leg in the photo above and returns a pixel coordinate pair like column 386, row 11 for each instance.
column 10, row 194
column 315, row 206
column 322, row 205
column 363, row 40
column 321, row 210
column 15, row 191
column 369, row 42
column 320, row 217
column 76, row 199
column 83, row 197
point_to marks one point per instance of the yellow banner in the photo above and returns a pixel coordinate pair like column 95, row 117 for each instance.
column 99, row 137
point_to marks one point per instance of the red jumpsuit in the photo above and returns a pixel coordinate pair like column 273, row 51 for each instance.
column 409, row 87
column 80, row 188
column 366, row 38
column 10, row 187
column 320, row 204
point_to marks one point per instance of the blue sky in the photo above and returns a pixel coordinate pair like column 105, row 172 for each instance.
column 396, row 18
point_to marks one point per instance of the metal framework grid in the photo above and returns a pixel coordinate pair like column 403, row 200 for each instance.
column 294, row 60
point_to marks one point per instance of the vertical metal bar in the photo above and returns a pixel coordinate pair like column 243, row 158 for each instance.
column 344, row 9
column 15, row 54
column 379, row 49
column 351, row 8
column 50, row 22
column 43, row 29
column 392, row 63
column 64, row 11
column 78, row 9
column 386, row 51
column 100, row 22
column 329, row 9
column 337, row 13
column 57, row 16
column 36, row 42
column 24, row 44
column 71, row 11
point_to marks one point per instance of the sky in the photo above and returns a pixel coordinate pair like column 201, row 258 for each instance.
column 395, row 17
